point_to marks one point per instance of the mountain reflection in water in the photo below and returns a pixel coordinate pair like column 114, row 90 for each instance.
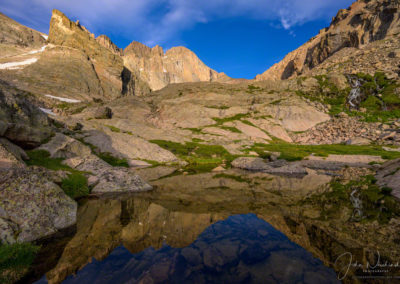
column 240, row 249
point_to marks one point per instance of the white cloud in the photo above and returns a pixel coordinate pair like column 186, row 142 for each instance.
column 160, row 21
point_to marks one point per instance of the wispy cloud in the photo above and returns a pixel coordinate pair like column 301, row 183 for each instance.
column 161, row 21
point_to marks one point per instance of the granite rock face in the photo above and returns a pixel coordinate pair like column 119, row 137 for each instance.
column 32, row 206
column 114, row 79
column 21, row 121
column 362, row 23
column 176, row 65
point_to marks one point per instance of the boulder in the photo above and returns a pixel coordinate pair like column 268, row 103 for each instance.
column 21, row 121
column 103, row 177
column 103, row 113
column 127, row 146
column 11, row 155
column 62, row 146
column 33, row 205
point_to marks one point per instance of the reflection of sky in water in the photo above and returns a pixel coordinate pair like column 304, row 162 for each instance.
column 241, row 249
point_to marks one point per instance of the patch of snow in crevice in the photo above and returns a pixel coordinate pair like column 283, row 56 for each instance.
column 63, row 99
column 47, row 111
column 141, row 69
column 37, row 50
column 165, row 71
column 17, row 65
column 46, row 37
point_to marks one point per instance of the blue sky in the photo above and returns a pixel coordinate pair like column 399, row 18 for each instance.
column 239, row 37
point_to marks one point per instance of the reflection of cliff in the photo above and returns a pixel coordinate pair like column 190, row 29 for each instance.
column 240, row 249
column 136, row 223
column 176, row 216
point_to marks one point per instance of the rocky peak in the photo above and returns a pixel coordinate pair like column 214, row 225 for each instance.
column 114, row 78
column 107, row 43
column 138, row 49
column 363, row 22
column 159, row 68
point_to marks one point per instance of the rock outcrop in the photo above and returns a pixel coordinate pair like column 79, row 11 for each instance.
column 363, row 22
column 176, row 65
column 107, row 43
column 20, row 120
column 103, row 177
column 32, row 206
column 114, row 79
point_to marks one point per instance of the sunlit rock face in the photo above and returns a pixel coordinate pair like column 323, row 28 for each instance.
column 176, row 65
column 363, row 22
column 114, row 81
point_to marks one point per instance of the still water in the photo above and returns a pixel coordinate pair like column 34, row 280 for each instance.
column 239, row 249
column 199, row 229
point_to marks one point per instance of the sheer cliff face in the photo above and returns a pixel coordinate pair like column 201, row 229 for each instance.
column 112, row 78
column 159, row 69
column 363, row 22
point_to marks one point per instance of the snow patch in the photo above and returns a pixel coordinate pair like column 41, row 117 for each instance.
column 165, row 71
column 63, row 99
column 46, row 37
column 17, row 65
column 141, row 69
column 37, row 50
column 47, row 111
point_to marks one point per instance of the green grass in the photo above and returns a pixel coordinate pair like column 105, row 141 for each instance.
column 383, row 108
column 42, row 158
column 113, row 161
column 114, row 129
column 201, row 158
column 15, row 259
column 220, row 121
column 294, row 152
column 231, row 129
column 75, row 185
column 218, row 107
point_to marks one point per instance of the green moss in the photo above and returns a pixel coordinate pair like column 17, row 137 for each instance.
column 15, row 259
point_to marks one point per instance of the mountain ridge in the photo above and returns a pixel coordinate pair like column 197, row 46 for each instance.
column 363, row 22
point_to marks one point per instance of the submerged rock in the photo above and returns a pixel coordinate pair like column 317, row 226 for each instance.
column 32, row 206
